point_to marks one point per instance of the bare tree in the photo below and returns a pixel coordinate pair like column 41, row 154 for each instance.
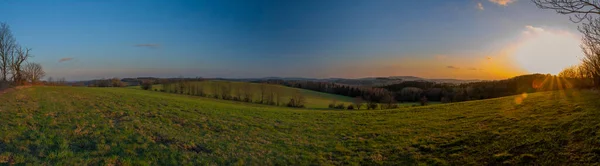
column 8, row 45
column 263, row 91
column 50, row 81
column 248, row 93
column 591, row 62
column 278, row 97
column 297, row 100
column 22, row 54
column 586, row 12
column 359, row 102
column 33, row 72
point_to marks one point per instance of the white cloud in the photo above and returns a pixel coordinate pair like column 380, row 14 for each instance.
column 503, row 2
column 480, row 6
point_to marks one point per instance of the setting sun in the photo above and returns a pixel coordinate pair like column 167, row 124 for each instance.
column 544, row 51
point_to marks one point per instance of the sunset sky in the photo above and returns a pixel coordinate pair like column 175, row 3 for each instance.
column 468, row 39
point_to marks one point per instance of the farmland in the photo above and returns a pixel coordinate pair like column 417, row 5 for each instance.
column 69, row 125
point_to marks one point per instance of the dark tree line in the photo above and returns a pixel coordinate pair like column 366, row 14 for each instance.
column 423, row 91
column 113, row 82
column 414, row 91
column 367, row 94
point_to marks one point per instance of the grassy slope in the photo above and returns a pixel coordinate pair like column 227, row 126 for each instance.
column 63, row 125
column 314, row 99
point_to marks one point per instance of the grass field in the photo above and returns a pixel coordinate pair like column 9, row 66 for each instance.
column 75, row 126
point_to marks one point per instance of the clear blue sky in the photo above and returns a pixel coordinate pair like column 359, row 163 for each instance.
column 344, row 38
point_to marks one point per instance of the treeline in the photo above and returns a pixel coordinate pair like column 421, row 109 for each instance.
column 414, row 91
column 424, row 91
column 368, row 94
column 113, row 82
column 264, row 94
column 55, row 82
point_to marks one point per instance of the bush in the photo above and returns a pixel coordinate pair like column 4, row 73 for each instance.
column 340, row 106
column 331, row 105
column 350, row 107
column 372, row 106
column 423, row 101
column 146, row 85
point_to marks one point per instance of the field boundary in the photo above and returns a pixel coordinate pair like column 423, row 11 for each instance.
column 13, row 89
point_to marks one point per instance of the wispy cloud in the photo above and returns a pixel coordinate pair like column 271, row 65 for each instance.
column 65, row 59
column 503, row 2
column 472, row 68
column 480, row 6
column 452, row 67
column 149, row 45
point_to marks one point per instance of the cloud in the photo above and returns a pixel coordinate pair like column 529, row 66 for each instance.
column 65, row 59
column 503, row 2
column 472, row 68
column 452, row 67
column 149, row 45
column 480, row 6
column 533, row 30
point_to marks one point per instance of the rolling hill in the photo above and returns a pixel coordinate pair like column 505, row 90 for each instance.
column 113, row 126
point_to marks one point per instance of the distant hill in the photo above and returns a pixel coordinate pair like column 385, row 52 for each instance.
column 367, row 81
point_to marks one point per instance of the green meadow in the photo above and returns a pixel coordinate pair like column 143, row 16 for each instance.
column 114, row 126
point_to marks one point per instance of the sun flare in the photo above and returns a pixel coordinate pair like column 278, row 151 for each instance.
column 544, row 51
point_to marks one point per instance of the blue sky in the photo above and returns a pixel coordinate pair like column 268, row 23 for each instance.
column 350, row 38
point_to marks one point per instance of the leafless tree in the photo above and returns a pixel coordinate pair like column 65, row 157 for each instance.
column 359, row 102
column 591, row 61
column 50, row 81
column 587, row 13
column 8, row 45
column 297, row 100
column 248, row 93
column 263, row 91
column 226, row 91
column 33, row 72
column 278, row 97
column 22, row 54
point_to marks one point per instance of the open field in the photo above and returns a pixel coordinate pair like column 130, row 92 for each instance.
column 74, row 126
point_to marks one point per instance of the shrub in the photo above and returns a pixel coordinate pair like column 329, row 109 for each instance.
column 146, row 85
column 350, row 107
column 340, row 106
column 372, row 105
column 331, row 105
column 423, row 101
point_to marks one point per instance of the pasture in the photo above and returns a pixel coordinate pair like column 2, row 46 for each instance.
column 113, row 126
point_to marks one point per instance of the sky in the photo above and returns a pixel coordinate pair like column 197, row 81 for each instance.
column 461, row 39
